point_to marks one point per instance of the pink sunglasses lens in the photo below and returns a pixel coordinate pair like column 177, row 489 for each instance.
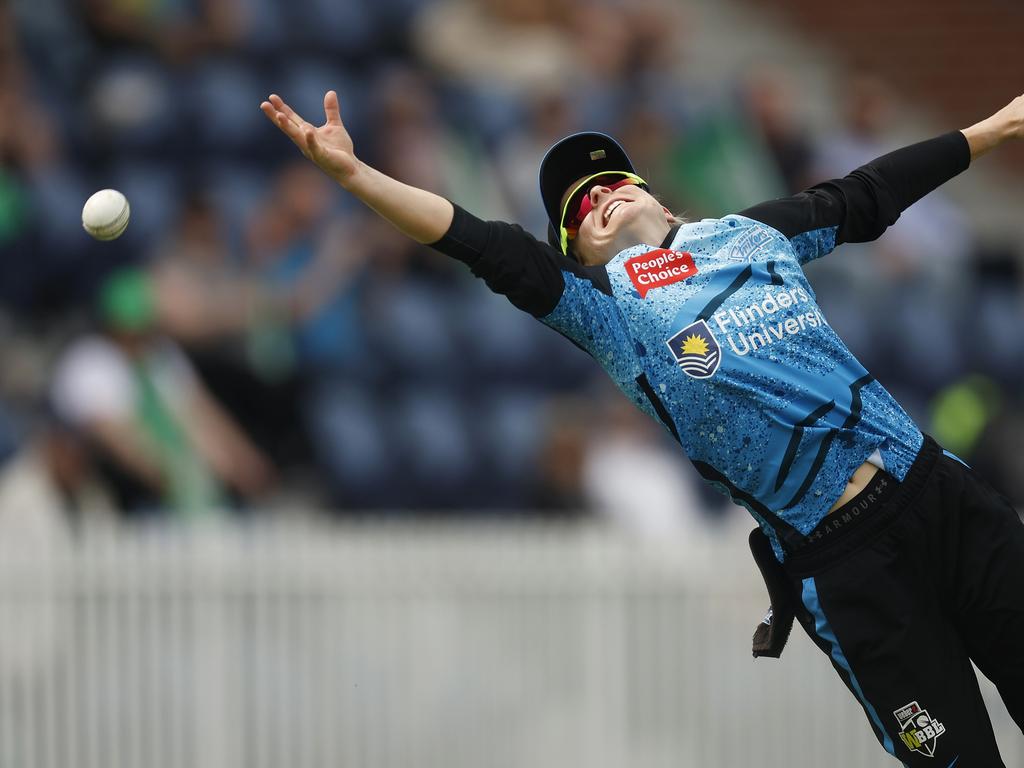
column 585, row 206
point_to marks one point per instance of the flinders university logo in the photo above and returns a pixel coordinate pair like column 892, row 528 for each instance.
column 918, row 730
column 696, row 350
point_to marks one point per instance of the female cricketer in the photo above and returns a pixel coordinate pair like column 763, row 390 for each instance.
column 900, row 563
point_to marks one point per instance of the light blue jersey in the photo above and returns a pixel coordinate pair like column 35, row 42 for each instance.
column 716, row 333
column 720, row 338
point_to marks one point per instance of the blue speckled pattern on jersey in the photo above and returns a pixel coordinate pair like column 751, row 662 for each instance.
column 788, row 414
column 810, row 245
column 600, row 332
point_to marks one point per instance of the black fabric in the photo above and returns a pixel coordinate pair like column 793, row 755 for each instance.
column 667, row 242
column 773, row 630
column 573, row 158
column 904, row 606
column 862, row 513
column 851, row 421
column 514, row 263
column 716, row 301
column 788, row 535
column 656, row 403
column 823, row 546
column 871, row 198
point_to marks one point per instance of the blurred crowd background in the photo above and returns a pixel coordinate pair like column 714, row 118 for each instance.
column 258, row 343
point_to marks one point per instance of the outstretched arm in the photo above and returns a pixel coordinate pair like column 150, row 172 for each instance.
column 1007, row 123
column 512, row 262
column 422, row 215
column 860, row 206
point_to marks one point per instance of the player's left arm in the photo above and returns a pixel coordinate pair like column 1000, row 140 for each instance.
column 860, row 206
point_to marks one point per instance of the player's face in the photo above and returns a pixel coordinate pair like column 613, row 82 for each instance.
column 613, row 214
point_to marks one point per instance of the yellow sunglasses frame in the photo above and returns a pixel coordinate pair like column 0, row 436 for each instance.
column 563, row 232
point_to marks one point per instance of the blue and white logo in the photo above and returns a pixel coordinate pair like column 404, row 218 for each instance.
column 696, row 350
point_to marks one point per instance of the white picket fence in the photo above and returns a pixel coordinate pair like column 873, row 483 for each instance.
column 501, row 646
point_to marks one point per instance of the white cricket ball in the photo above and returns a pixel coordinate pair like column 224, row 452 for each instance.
column 105, row 214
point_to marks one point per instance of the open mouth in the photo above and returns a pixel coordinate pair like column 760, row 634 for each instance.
column 611, row 209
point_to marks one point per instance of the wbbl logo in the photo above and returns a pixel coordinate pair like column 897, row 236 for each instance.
column 696, row 350
column 918, row 730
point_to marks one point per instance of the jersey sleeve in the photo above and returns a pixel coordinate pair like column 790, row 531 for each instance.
column 510, row 260
column 572, row 299
column 860, row 206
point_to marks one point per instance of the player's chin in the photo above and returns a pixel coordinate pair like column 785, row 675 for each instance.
column 601, row 244
column 602, row 252
column 622, row 227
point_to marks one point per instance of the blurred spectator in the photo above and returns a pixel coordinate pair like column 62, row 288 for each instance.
column 962, row 413
column 35, row 187
column 51, row 473
column 235, row 326
column 549, row 116
column 177, row 31
column 982, row 423
column 719, row 164
column 343, row 349
column 914, row 274
column 201, row 295
column 133, row 394
column 625, row 53
column 633, row 477
column 306, row 336
column 773, row 110
column 31, row 140
column 134, row 110
column 991, row 307
column 997, row 455
column 653, row 137
column 931, row 240
column 302, row 311
column 562, row 459
column 510, row 45
column 490, row 56
column 414, row 143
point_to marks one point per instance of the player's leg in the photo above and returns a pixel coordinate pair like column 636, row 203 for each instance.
column 990, row 587
column 881, row 623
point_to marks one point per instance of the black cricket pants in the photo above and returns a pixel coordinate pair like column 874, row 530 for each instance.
column 927, row 578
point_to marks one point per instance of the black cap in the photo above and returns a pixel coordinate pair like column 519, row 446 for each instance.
column 571, row 159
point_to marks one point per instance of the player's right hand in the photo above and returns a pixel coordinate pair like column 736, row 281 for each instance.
column 329, row 146
column 1012, row 116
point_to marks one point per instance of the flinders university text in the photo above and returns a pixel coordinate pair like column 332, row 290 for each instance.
column 772, row 319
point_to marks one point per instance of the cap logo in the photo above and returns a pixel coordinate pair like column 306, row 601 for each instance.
column 598, row 154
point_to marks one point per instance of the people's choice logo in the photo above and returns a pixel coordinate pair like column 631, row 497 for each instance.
column 696, row 350
column 656, row 269
column 918, row 730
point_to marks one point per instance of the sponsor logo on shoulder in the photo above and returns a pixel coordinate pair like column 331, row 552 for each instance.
column 750, row 244
column 918, row 730
column 696, row 350
column 656, row 269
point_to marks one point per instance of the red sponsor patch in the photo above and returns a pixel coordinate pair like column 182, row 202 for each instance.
column 662, row 267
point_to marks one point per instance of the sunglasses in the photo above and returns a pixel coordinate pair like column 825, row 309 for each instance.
column 578, row 205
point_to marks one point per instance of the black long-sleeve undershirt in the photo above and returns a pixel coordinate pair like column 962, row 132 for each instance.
column 861, row 205
column 871, row 198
